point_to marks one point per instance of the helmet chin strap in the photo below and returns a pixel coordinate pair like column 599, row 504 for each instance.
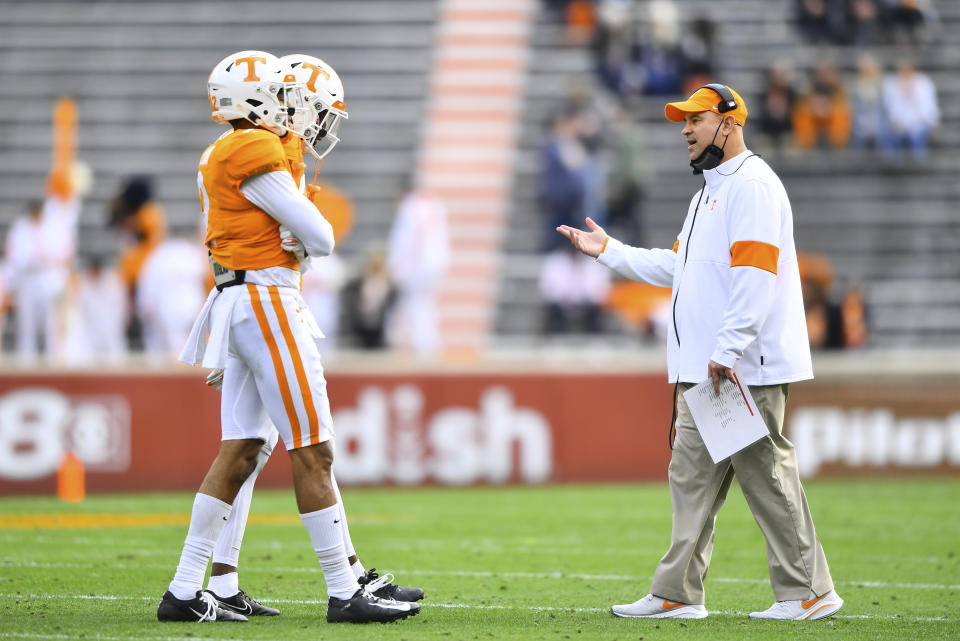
column 711, row 156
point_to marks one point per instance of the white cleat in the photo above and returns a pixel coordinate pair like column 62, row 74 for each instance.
column 652, row 607
column 817, row 607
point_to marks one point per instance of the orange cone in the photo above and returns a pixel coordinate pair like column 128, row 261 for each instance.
column 71, row 479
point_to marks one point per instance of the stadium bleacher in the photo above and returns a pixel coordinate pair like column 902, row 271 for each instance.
column 891, row 229
column 137, row 71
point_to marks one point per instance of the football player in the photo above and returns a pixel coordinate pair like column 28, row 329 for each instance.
column 256, row 327
column 313, row 99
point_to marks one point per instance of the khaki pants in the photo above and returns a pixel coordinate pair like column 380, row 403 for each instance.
column 767, row 473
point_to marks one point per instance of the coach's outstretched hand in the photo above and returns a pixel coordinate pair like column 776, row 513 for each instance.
column 590, row 243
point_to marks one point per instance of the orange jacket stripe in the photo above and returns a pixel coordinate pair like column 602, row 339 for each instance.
column 753, row 253
column 305, row 392
column 676, row 245
column 277, row 362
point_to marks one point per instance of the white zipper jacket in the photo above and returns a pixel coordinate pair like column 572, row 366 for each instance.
column 736, row 284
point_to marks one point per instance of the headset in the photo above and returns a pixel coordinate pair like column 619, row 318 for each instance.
column 712, row 155
column 727, row 101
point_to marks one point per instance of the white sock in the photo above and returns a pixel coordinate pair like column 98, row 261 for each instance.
column 327, row 538
column 207, row 519
column 227, row 550
column 225, row 585
column 357, row 568
column 347, row 542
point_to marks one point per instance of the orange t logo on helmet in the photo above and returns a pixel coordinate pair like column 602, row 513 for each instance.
column 312, row 83
column 251, row 63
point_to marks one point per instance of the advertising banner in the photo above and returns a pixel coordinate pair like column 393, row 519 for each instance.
column 145, row 432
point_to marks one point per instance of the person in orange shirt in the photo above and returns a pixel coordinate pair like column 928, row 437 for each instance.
column 255, row 325
column 823, row 111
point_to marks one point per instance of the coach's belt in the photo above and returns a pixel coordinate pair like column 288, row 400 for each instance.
column 223, row 277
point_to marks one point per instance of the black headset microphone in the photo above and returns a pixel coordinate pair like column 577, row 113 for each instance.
column 711, row 156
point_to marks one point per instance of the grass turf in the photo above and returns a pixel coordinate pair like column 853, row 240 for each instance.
column 496, row 563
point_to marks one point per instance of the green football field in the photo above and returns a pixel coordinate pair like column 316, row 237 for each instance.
column 496, row 563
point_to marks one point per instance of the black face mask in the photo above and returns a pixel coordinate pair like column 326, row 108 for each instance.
column 711, row 156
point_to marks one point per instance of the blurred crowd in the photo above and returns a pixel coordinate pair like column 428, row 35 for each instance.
column 877, row 111
column 141, row 298
column 595, row 162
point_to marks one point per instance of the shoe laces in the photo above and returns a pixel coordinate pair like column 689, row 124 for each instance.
column 211, row 612
column 373, row 583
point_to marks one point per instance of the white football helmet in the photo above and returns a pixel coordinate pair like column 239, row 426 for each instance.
column 313, row 97
column 245, row 85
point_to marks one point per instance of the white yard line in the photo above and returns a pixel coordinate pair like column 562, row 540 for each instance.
column 100, row 637
column 464, row 606
column 480, row 574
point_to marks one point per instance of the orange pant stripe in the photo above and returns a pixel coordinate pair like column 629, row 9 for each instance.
column 305, row 392
column 277, row 362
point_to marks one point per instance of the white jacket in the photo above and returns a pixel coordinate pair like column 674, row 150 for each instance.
column 736, row 284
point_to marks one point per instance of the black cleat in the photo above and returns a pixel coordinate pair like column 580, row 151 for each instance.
column 363, row 607
column 243, row 604
column 202, row 608
column 384, row 587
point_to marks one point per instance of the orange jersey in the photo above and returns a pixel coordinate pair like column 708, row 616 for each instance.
column 239, row 234
column 293, row 148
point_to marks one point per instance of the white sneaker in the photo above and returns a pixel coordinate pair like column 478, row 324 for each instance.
column 652, row 607
column 817, row 607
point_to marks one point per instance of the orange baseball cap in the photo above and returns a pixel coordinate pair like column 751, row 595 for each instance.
column 705, row 99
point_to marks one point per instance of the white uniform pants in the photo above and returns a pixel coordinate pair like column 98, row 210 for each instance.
column 273, row 372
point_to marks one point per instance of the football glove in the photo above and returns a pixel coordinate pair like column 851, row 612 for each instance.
column 291, row 244
column 215, row 379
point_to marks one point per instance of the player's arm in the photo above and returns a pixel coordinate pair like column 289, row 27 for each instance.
column 275, row 193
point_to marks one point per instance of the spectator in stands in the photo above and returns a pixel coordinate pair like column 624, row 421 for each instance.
column 910, row 103
column 574, row 288
column 99, row 315
column 863, row 23
column 171, row 288
column 661, row 56
column 368, row 300
column 833, row 321
column 38, row 259
column 869, row 122
column 823, row 320
column 591, row 133
column 911, row 21
column 629, row 175
column 822, row 113
column 698, row 49
column 777, row 104
column 562, row 177
column 614, row 49
column 417, row 259
column 822, row 20
column 853, row 311
column 142, row 220
column 581, row 21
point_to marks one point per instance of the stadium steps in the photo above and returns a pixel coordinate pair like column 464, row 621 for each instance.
column 886, row 227
column 137, row 72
